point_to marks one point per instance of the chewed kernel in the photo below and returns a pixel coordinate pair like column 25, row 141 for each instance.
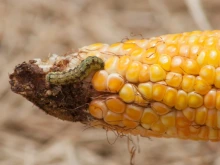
column 127, row 93
column 98, row 109
column 99, row 80
column 173, row 79
column 111, row 64
column 115, row 82
column 149, row 117
column 195, row 100
column 207, row 73
column 157, row 73
column 160, row 108
column 123, row 64
column 113, row 118
column 114, row 104
column 134, row 112
column 132, row 73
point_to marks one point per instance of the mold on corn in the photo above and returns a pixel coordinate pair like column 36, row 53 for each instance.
column 166, row 86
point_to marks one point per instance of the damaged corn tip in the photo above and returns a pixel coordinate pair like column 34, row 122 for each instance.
column 165, row 86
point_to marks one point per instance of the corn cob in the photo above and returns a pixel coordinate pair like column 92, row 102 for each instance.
column 166, row 86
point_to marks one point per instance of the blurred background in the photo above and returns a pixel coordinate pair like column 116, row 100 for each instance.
column 35, row 28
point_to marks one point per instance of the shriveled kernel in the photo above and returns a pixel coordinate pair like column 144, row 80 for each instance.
column 134, row 112
column 160, row 108
column 189, row 113
column 169, row 119
column 150, row 56
column 173, row 79
column 158, row 127
column 188, row 83
column 144, row 74
column 123, row 64
column 201, row 115
column 165, row 62
column 170, row 96
column 146, row 90
column 113, row 118
column 115, row 82
column 217, row 101
column 158, row 91
column 176, row 64
column 190, row 66
column 149, row 117
column 211, row 120
column 132, row 73
column 114, row 104
column 181, row 120
column 129, row 122
column 111, row 64
column 201, row 86
column 210, row 99
column 99, row 80
column 195, row 100
column 98, row 109
column 137, row 54
column 157, row 73
column 217, row 78
column 207, row 73
column 181, row 100
column 127, row 93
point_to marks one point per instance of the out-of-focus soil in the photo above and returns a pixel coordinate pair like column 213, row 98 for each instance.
column 34, row 29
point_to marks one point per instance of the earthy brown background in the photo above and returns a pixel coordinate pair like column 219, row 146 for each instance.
column 36, row 28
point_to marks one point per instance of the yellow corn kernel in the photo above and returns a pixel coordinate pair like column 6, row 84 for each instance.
column 202, row 58
column 211, row 120
column 98, row 109
column 217, row 102
column 144, row 74
column 160, row 108
column 139, row 100
column 123, row 64
column 217, row 78
column 128, row 47
column 114, row 104
column 189, row 113
column 128, row 122
column 99, row 80
column 150, row 56
column 113, row 118
column 218, row 119
column 173, row 79
column 181, row 120
column 194, row 51
column 157, row 73
column 132, row 73
column 210, row 99
column 127, row 93
column 183, row 133
column 134, row 112
column 165, row 61
column 201, row 86
column 158, row 91
column 188, row 83
column 203, row 134
column 213, row 134
column 111, row 64
column 195, row 100
column 171, row 50
column 176, row 64
column 136, row 55
column 181, row 100
column 169, row 119
column 170, row 96
column 184, row 50
column 213, row 57
column 207, row 73
column 115, row 48
column 95, row 46
column 201, row 115
column 115, row 82
column 146, row 90
column 158, row 127
column 190, row 66
column 149, row 117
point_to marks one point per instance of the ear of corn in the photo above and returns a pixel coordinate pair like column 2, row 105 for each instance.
column 165, row 86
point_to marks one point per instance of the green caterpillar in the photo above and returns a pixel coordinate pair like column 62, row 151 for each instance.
column 77, row 74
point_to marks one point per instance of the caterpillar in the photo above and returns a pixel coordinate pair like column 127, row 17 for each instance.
column 77, row 74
